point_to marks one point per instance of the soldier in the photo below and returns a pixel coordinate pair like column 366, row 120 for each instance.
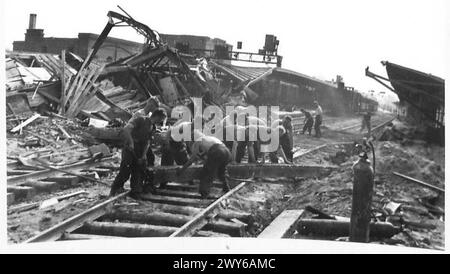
column 309, row 121
column 240, row 143
column 136, row 153
column 286, row 138
column 283, row 140
column 366, row 122
column 318, row 121
column 215, row 156
column 153, row 103
column 174, row 151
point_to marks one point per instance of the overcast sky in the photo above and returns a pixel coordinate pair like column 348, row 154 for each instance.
column 321, row 38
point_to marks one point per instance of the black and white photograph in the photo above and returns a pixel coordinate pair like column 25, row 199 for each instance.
column 234, row 123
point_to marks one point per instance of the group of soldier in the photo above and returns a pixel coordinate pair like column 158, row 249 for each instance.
column 309, row 120
column 138, row 157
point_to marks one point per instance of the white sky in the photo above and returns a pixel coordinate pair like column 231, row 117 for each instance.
column 320, row 38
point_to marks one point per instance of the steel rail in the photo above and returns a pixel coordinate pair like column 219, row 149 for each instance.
column 202, row 218
column 77, row 221
column 20, row 179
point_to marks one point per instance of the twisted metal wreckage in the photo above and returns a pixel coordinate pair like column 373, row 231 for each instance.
column 107, row 91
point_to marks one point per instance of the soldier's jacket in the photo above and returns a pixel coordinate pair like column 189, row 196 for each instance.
column 139, row 129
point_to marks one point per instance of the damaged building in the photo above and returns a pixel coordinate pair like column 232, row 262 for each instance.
column 68, row 102
column 421, row 97
column 289, row 89
column 111, row 50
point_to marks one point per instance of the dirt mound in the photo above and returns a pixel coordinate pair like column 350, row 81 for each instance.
column 410, row 160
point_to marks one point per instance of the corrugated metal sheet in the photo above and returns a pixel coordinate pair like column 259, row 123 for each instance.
column 241, row 73
column 304, row 76
column 51, row 62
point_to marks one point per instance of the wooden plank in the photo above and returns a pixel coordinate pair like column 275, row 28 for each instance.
column 25, row 123
column 225, row 227
column 152, row 218
column 48, row 96
column 10, row 198
column 37, row 87
column 66, row 134
column 300, row 154
column 200, row 220
column 335, row 228
column 241, row 216
column 174, row 200
column 78, row 77
column 80, row 237
column 43, row 174
column 64, row 181
column 79, row 80
column 168, row 173
column 173, row 220
column 182, row 194
column 62, row 105
column 121, row 231
column 181, row 187
column 125, row 229
column 77, row 104
column 22, row 192
column 50, row 142
column 42, row 186
column 283, row 226
column 410, row 179
column 26, row 207
column 81, row 89
column 184, row 210
column 75, row 174
column 17, row 172
column 211, row 234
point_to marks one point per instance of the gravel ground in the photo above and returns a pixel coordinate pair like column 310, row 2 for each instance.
column 332, row 194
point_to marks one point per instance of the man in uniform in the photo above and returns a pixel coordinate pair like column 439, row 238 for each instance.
column 309, row 121
column 287, row 139
column 366, row 122
column 153, row 103
column 136, row 153
column 318, row 121
column 215, row 156
column 174, row 151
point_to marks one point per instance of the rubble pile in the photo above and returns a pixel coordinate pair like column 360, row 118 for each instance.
column 418, row 211
column 61, row 140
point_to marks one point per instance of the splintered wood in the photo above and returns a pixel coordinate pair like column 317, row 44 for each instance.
column 81, row 89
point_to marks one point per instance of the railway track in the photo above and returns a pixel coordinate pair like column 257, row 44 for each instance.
column 378, row 123
column 352, row 125
column 175, row 211
column 165, row 214
column 26, row 181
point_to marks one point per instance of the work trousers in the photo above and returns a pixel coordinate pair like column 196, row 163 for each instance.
column 240, row 151
column 366, row 124
column 308, row 126
column 317, row 125
column 218, row 157
column 173, row 152
column 286, row 147
column 129, row 167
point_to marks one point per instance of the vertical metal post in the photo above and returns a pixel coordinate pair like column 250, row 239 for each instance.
column 62, row 106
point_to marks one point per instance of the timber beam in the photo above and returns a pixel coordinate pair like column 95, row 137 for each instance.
column 168, row 173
